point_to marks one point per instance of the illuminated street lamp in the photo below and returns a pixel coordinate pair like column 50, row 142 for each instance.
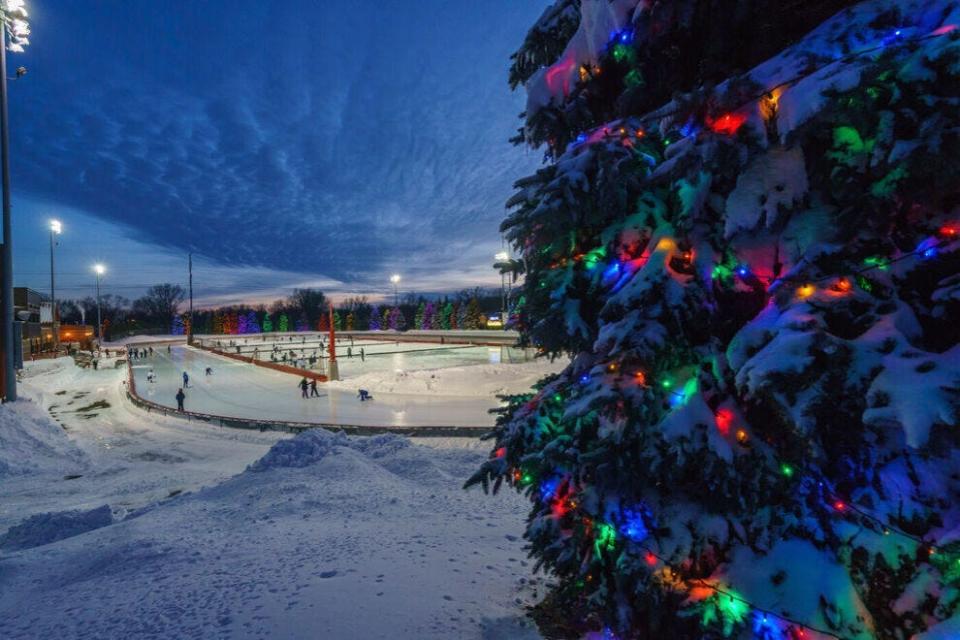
column 15, row 34
column 55, row 229
column 100, row 270
column 503, row 263
column 395, row 279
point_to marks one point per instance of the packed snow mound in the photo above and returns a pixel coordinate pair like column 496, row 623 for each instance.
column 30, row 442
column 39, row 368
column 310, row 447
column 45, row 528
column 481, row 380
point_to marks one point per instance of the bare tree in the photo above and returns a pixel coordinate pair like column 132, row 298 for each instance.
column 309, row 302
column 160, row 303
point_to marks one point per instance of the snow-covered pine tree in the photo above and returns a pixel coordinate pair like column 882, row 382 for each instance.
column 418, row 315
column 473, row 319
column 446, row 313
column 757, row 275
column 230, row 323
column 398, row 322
column 430, row 320
column 283, row 325
column 253, row 324
column 267, row 323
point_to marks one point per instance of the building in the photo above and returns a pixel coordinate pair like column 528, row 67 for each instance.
column 33, row 312
column 81, row 333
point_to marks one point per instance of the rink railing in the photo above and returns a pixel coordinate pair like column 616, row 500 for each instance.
column 319, row 377
column 295, row 427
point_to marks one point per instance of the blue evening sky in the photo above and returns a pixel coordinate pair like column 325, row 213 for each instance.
column 292, row 143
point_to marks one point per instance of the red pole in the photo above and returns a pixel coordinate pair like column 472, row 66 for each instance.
column 333, row 338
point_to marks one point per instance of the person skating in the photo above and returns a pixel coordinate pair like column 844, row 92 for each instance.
column 303, row 388
column 313, row 389
column 349, row 352
column 186, row 380
column 208, row 371
column 362, row 355
column 180, row 397
column 364, row 395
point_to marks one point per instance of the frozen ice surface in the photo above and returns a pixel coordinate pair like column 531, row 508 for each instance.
column 245, row 390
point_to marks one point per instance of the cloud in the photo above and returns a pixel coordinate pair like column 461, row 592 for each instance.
column 347, row 140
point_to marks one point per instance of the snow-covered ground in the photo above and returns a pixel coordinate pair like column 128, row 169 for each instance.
column 458, row 396
column 211, row 534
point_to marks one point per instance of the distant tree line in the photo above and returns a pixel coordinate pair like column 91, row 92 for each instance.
column 159, row 311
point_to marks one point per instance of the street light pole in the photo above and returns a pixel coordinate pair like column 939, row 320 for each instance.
column 502, row 262
column 15, row 32
column 395, row 279
column 9, row 367
column 99, row 268
column 55, row 229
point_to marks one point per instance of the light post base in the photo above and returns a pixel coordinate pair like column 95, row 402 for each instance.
column 334, row 374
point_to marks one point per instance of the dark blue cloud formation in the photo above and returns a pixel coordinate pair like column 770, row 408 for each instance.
column 341, row 137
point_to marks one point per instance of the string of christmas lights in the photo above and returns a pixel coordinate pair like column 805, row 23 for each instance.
column 729, row 124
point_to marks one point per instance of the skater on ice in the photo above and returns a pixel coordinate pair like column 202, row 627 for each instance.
column 208, row 371
column 180, row 397
column 186, row 380
column 313, row 389
column 364, row 395
column 303, row 387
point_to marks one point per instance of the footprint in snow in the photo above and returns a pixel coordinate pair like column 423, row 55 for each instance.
column 327, row 574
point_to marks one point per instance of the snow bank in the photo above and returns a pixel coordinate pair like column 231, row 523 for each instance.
column 38, row 368
column 313, row 446
column 45, row 528
column 30, row 442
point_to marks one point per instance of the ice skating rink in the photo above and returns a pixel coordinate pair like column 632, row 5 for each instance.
column 237, row 389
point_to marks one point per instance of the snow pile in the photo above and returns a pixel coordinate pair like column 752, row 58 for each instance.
column 314, row 445
column 45, row 528
column 38, row 368
column 322, row 538
column 30, row 442
column 482, row 380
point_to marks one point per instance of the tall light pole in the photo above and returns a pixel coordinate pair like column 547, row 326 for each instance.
column 395, row 279
column 502, row 262
column 15, row 32
column 55, row 229
column 100, row 270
